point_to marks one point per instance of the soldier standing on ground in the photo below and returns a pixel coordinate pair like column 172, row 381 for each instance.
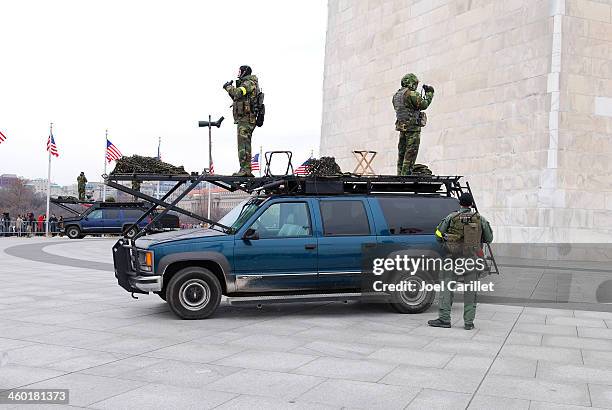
column 408, row 105
column 245, row 96
column 463, row 231
column 81, row 182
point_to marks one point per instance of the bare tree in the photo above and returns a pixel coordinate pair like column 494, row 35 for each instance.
column 18, row 198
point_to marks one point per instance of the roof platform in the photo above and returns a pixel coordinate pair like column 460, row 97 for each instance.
column 312, row 185
column 68, row 203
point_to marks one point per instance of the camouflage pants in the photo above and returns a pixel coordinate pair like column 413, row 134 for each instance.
column 81, row 194
column 469, row 297
column 245, row 133
column 407, row 150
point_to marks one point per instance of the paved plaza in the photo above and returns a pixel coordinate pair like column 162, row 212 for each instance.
column 65, row 323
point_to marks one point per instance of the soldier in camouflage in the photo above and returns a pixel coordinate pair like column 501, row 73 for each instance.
column 244, row 95
column 463, row 231
column 408, row 105
column 81, row 182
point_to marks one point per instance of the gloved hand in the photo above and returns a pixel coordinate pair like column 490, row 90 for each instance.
column 227, row 84
column 428, row 88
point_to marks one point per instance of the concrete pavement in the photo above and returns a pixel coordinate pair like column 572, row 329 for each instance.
column 64, row 325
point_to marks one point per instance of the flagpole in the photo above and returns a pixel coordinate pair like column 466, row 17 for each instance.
column 159, row 158
column 48, row 183
column 209, row 162
column 260, row 159
column 105, row 151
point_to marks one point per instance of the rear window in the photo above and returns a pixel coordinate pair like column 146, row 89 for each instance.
column 415, row 215
column 344, row 218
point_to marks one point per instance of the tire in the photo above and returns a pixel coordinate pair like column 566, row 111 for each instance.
column 73, row 232
column 193, row 293
column 413, row 302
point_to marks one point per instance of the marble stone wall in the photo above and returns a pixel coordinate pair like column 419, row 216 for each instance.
column 523, row 104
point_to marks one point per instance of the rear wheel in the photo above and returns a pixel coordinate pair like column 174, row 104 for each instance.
column 73, row 232
column 194, row 293
column 415, row 299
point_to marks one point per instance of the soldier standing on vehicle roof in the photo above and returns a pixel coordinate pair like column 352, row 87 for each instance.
column 81, row 181
column 248, row 113
column 408, row 105
column 463, row 231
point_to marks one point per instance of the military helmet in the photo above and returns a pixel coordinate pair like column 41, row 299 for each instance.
column 244, row 70
column 410, row 80
column 466, row 199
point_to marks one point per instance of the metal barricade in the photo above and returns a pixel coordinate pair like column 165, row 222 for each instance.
column 19, row 227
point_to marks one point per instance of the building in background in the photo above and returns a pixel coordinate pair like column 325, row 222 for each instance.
column 7, row 180
column 523, row 103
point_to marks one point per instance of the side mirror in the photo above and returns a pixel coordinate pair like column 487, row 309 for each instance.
column 250, row 234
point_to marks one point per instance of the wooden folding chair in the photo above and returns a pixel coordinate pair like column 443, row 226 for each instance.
column 364, row 162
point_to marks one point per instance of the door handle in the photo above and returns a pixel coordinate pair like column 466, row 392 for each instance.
column 310, row 246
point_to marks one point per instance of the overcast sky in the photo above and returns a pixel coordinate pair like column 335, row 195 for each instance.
column 145, row 69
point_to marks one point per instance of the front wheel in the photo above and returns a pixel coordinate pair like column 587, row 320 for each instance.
column 194, row 293
column 416, row 298
column 73, row 232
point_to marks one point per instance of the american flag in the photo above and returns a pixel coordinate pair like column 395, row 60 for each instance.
column 112, row 153
column 2, row 137
column 255, row 163
column 211, row 170
column 51, row 147
column 302, row 170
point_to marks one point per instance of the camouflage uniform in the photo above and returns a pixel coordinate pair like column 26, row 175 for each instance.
column 452, row 228
column 245, row 118
column 408, row 104
column 81, row 181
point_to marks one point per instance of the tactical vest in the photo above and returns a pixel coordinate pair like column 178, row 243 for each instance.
column 404, row 114
column 464, row 234
column 244, row 107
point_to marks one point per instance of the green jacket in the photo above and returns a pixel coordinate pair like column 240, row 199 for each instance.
column 81, row 181
column 243, row 96
column 487, row 232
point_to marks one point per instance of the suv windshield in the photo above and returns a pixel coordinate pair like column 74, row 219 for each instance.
column 239, row 215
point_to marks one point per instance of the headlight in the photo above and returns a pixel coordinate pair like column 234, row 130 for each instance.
column 145, row 261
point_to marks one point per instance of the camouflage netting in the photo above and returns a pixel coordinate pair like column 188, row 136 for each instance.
column 421, row 169
column 324, row 166
column 137, row 164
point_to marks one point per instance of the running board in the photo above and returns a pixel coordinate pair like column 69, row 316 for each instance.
column 312, row 298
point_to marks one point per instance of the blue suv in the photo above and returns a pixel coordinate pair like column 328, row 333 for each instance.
column 111, row 218
column 282, row 246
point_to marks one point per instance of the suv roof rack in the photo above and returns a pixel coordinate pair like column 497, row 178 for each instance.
column 308, row 185
column 65, row 202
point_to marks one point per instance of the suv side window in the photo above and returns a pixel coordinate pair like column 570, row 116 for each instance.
column 415, row 215
column 284, row 220
column 111, row 213
column 97, row 214
column 344, row 218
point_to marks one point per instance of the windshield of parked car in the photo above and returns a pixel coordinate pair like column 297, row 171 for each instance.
column 239, row 215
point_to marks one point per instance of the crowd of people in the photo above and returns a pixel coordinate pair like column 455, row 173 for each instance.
column 29, row 225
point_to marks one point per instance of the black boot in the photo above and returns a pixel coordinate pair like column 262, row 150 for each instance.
column 438, row 323
column 468, row 326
